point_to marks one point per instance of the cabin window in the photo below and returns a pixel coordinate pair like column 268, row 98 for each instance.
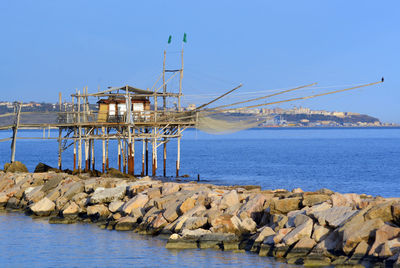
column 121, row 108
column 138, row 107
column 111, row 109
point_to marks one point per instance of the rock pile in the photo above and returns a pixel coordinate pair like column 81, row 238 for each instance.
column 309, row 228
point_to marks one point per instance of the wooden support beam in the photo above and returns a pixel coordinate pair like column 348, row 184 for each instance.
column 15, row 130
column 93, row 157
column 178, row 156
column 119, row 154
column 103, row 166
column 59, row 147
column 147, row 157
column 165, row 158
column 74, row 148
column 143, row 153
column 107, row 141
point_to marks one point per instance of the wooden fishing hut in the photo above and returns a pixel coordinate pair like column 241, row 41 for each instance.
column 126, row 114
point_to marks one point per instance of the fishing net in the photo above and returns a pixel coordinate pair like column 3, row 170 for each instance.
column 223, row 123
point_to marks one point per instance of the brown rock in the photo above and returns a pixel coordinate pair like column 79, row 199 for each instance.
column 154, row 192
column 170, row 188
column 302, row 248
column 383, row 234
column 99, row 211
column 396, row 213
column 71, row 210
column 285, row 205
column 382, row 211
column 360, row 251
column 320, row 232
column 125, row 224
column 137, row 202
column 311, row 200
column 223, row 224
column 159, row 222
column 356, row 233
column 280, row 235
column 230, row 199
column 115, row 206
column 265, row 232
column 15, row 167
column 254, row 206
column 187, row 205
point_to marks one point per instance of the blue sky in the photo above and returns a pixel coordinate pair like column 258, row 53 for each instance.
column 52, row 46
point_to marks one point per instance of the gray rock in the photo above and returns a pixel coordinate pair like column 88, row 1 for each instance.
column 193, row 223
column 75, row 188
column 116, row 206
column 334, row 216
column 108, row 195
column 43, row 208
column 303, row 230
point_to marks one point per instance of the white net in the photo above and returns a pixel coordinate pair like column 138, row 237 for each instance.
column 222, row 123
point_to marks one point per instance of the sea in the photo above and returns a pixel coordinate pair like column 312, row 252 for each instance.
column 347, row 160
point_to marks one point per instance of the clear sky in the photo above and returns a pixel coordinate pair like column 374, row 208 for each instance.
column 56, row 46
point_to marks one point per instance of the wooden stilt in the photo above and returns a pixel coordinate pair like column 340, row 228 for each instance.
column 119, row 154
column 123, row 153
column 143, row 153
column 165, row 158
column 147, row 158
column 86, row 154
column 90, row 141
column 80, row 150
column 107, row 141
column 15, row 130
column 103, row 141
column 74, row 148
column 59, row 148
column 93, row 157
column 178, row 158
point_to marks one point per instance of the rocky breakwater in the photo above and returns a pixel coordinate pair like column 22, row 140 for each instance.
column 310, row 228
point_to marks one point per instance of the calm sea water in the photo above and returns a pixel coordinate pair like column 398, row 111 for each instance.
column 344, row 160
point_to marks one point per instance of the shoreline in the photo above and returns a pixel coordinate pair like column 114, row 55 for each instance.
column 309, row 228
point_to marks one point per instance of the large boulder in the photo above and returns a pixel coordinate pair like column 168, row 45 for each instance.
column 71, row 210
column 355, row 233
column 382, row 211
column 107, row 195
column 187, row 205
column 230, row 199
column 334, row 216
column 41, row 168
column 99, row 212
column 72, row 189
column 52, row 183
column 314, row 199
column 285, row 205
column 137, row 202
column 15, row 167
column 303, row 230
column 170, row 188
column 383, row 234
column 224, row 224
column 193, row 223
column 125, row 224
column 254, row 207
column 396, row 213
column 302, row 248
column 43, row 208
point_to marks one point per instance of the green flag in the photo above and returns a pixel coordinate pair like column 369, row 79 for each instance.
column 169, row 39
column 184, row 37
